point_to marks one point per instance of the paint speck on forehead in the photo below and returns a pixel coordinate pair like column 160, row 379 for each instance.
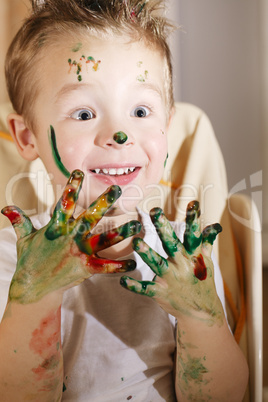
column 143, row 78
column 77, row 47
column 79, row 64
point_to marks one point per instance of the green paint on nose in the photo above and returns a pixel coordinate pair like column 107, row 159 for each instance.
column 120, row 137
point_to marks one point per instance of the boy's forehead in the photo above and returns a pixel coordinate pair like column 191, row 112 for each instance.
column 87, row 54
column 115, row 45
column 85, row 65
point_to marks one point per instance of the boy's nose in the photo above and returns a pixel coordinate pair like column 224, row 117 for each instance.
column 120, row 137
column 117, row 140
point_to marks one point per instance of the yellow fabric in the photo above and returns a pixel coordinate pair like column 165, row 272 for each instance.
column 195, row 170
column 6, row 136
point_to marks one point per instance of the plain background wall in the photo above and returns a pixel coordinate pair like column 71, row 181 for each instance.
column 220, row 59
column 218, row 68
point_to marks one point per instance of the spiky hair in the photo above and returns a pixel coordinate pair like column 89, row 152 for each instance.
column 51, row 19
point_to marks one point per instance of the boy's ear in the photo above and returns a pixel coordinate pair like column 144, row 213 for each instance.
column 22, row 136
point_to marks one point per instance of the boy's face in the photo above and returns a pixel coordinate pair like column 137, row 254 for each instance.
column 92, row 90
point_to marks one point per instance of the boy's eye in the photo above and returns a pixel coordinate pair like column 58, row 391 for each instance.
column 82, row 114
column 140, row 111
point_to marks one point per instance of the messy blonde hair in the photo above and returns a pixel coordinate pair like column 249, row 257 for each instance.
column 53, row 19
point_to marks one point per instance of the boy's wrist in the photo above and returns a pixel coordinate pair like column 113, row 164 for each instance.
column 50, row 301
column 202, row 318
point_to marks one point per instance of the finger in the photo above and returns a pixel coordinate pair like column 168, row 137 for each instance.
column 65, row 207
column 96, row 265
column 209, row 235
column 158, row 264
column 95, row 243
column 165, row 231
column 146, row 288
column 192, row 236
column 19, row 220
column 89, row 219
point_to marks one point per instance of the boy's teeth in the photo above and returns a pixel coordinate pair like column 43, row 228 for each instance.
column 114, row 171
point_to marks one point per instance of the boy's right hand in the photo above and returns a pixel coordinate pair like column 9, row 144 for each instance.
column 64, row 253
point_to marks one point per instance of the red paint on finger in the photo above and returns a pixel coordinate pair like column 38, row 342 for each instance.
column 200, row 269
column 13, row 215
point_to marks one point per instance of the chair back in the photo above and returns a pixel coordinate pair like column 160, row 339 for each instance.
column 246, row 226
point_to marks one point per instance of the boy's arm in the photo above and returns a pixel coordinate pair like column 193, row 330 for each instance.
column 31, row 364
column 50, row 261
column 209, row 363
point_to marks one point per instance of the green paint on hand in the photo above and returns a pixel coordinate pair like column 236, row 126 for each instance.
column 192, row 237
column 120, row 137
column 165, row 231
column 210, row 233
column 157, row 263
column 145, row 288
column 55, row 152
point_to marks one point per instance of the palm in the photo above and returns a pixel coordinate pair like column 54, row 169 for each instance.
column 184, row 283
column 64, row 253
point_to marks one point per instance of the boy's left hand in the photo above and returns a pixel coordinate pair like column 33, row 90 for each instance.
column 184, row 283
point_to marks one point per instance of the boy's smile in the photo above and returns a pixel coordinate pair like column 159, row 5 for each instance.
column 106, row 103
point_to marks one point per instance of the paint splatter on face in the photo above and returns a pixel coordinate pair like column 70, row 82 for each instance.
column 79, row 65
column 55, row 152
column 142, row 77
column 120, row 137
column 77, row 47
column 165, row 161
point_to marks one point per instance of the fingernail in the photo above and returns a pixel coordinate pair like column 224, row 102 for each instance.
column 114, row 192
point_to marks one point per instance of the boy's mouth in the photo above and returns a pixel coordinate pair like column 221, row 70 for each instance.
column 114, row 171
column 119, row 175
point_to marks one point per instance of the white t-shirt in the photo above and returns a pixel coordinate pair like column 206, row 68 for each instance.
column 117, row 345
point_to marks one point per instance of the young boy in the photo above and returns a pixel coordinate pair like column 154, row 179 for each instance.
column 91, row 85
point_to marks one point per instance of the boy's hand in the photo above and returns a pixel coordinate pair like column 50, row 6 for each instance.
column 184, row 283
column 64, row 253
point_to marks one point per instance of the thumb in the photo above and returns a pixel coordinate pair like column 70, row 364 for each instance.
column 20, row 222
